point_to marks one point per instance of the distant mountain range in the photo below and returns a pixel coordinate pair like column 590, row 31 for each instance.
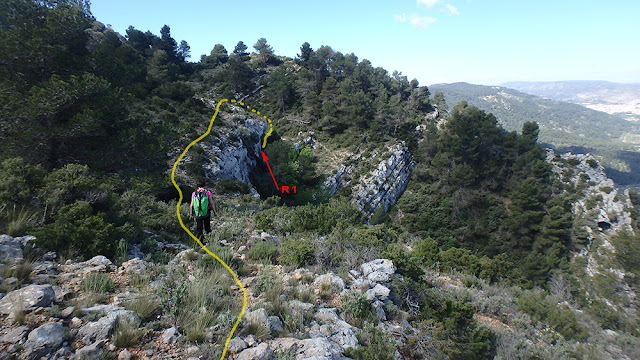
column 613, row 98
column 563, row 126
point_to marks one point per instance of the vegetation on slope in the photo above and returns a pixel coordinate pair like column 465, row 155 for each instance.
column 564, row 126
column 91, row 121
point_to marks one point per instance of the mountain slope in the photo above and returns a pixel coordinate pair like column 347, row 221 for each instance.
column 562, row 125
column 613, row 98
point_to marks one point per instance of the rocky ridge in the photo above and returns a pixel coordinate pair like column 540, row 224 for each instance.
column 601, row 211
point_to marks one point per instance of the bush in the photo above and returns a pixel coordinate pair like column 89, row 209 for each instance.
column 355, row 307
column 231, row 186
column 406, row 264
column 375, row 344
column 606, row 189
column 262, row 250
column 374, row 236
column 559, row 318
column 19, row 182
column 297, row 252
column 267, row 280
column 149, row 245
column 460, row 260
column 323, row 218
column 426, row 251
column 97, row 283
column 500, row 268
column 79, row 228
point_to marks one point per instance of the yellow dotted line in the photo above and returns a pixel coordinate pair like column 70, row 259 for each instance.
column 264, row 142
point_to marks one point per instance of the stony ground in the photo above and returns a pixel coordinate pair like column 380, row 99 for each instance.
column 50, row 313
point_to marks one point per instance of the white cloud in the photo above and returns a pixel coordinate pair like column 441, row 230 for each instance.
column 421, row 22
column 426, row 3
column 418, row 22
column 452, row 10
column 400, row 18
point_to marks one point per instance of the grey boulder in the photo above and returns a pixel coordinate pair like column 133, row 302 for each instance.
column 378, row 270
column 43, row 340
column 260, row 352
column 89, row 351
column 10, row 249
column 16, row 335
column 27, row 298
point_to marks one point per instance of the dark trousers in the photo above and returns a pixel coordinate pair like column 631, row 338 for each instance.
column 206, row 222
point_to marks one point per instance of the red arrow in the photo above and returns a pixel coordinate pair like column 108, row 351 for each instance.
column 265, row 159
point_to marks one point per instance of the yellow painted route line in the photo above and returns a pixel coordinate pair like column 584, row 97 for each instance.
column 264, row 142
column 173, row 173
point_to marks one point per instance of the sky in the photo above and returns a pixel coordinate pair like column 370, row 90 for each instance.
column 486, row 42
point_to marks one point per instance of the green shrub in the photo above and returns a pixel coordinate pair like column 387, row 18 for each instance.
column 426, row 251
column 406, row 264
column 19, row 181
column 606, row 189
column 374, row 236
column 592, row 163
column 558, row 317
column 627, row 251
column 499, row 268
column 224, row 186
column 429, row 342
column 149, row 245
column 262, row 250
column 195, row 324
column 224, row 253
column 375, row 344
column 378, row 216
column 77, row 226
column 573, row 161
column 97, row 283
column 275, row 218
column 297, row 252
column 355, row 307
column 323, row 218
column 459, row 259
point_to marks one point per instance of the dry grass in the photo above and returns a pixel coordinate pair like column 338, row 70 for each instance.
column 146, row 306
column 97, row 283
column 125, row 334
column 17, row 220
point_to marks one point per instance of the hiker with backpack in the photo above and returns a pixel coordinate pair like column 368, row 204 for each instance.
column 201, row 206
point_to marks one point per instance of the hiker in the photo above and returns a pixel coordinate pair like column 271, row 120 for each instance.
column 201, row 206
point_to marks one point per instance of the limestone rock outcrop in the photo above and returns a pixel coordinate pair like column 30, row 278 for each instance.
column 381, row 186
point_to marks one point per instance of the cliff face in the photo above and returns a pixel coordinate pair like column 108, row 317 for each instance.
column 381, row 186
column 233, row 153
column 387, row 182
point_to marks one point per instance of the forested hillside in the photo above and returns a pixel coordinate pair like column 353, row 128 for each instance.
column 92, row 122
column 564, row 126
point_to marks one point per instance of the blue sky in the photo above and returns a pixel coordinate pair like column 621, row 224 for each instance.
column 477, row 41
